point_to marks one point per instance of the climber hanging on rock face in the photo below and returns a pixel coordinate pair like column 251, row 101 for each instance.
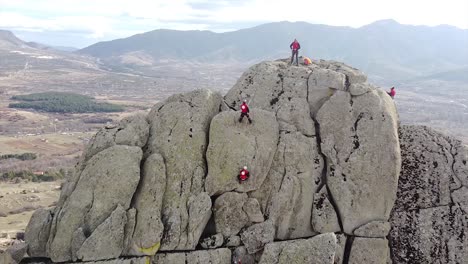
column 244, row 175
column 245, row 111
column 392, row 92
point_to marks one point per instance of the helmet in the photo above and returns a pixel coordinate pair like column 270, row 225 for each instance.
column 245, row 167
column 245, row 100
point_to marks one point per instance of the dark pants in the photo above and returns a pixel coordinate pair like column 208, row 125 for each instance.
column 242, row 117
column 296, row 52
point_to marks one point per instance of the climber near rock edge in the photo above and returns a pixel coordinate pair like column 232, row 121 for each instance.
column 245, row 112
column 295, row 46
column 392, row 92
column 244, row 174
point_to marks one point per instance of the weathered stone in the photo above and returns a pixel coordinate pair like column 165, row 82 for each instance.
column 374, row 229
column 360, row 140
column 340, row 248
column 256, row 236
column 37, row 232
column 369, row 250
column 460, row 196
column 148, row 203
column 252, row 209
column 275, row 87
column 214, row 241
column 322, row 84
column 430, row 235
column 77, row 241
column 353, row 75
column 318, row 249
column 234, row 145
column 131, row 131
column 128, row 231
column 233, row 241
column 179, row 133
column 221, row 256
column 144, row 260
column 199, row 209
column 107, row 240
column 288, row 192
column 240, row 255
column 15, row 252
column 229, row 215
column 109, row 179
column 426, row 177
column 324, row 218
column 356, row 89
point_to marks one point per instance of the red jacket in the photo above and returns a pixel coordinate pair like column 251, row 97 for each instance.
column 295, row 45
column 244, row 108
column 392, row 92
column 244, row 175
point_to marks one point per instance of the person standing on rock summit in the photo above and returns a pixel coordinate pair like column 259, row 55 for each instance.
column 295, row 46
column 245, row 111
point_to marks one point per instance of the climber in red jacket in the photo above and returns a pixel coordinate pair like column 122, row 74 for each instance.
column 295, row 46
column 244, row 175
column 245, row 111
column 392, row 92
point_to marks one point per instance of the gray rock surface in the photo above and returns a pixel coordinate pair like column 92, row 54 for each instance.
column 428, row 173
column 256, row 236
column 107, row 240
column 214, row 241
column 287, row 194
column 318, row 249
column 229, row 215
column 148, row 202
column 109, row 179
column 429, row 221
column 234, row 145
column 179, row 133
column 324, row 218
column 369, row 250
column 233, row 241
column 37, row 232
column 252, row 209
column 221, row 256
column 375, row 229
column 340, row 248
column 240, row 255
column 360, row 140
column 15, row 253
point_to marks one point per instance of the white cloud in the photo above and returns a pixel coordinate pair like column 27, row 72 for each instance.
column 105, row 19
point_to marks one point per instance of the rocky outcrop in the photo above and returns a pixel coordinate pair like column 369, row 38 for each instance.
column 319, row 249
column 369, row 250
column 37, row 232
column 323, row 156
column 429, row 221
column 179, row 133
column 91, row 202
column 234, row 145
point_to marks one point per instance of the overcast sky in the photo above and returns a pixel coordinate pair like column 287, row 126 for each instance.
column 79, row 23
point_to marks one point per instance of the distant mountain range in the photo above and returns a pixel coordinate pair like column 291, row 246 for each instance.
column 384, row 49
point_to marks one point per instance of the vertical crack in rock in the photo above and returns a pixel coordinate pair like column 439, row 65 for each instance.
column 325, row 174
column 356, row 143
column 347, row 83
column 347, row 250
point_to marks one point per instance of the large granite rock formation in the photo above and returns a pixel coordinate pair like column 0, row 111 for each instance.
column 430, row 218
column 324, row 158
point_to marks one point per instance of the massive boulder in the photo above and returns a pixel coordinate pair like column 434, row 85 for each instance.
column 429, row 221
column 179, row 133
column 323, row 154
column 109, row 179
